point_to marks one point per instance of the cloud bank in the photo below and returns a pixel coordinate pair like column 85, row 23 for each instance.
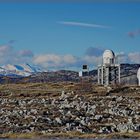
column 91, row 57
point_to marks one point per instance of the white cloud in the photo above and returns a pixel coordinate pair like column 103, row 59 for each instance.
column 62, row 61
column 5, row 49
column 47, row 58
column 70, row 59
column 134, row 57
column 121, row 57
column 54, row 60
column 73, row 23
column 10, row 56
column 26, row 53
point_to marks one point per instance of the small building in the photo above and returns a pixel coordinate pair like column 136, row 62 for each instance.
column 84, row 72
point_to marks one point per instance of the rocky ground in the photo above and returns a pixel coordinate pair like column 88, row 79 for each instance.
column 69, row 107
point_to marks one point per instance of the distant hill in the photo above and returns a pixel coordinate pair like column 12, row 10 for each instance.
column 129, row 73
column 61, row 75
column 128, row 76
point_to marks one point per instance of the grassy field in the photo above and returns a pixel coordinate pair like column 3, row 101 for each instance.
column 51, row 89
column 135, row 135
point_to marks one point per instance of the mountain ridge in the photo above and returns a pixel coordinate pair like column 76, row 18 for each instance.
column 20, row 70
column 128, row 75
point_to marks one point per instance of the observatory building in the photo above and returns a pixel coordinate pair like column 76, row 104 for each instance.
column 138, row 76
column 108, row 71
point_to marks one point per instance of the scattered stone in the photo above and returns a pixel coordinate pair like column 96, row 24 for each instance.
column 70, row 112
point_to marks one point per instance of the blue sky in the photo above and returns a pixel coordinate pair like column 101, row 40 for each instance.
column 52, row 34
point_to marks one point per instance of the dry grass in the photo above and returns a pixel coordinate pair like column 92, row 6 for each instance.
column 21, row 135
column 55, row 89
column 73, row 134
column 122, row 135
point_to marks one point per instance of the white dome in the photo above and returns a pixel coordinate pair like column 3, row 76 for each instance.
column 138, row 76
column 108, row 57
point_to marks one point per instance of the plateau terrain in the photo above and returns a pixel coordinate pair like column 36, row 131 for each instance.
column 69, row 110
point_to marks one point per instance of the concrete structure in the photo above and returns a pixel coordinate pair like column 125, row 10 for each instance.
column 108, row 71
column 84, row 72
column 138, row 76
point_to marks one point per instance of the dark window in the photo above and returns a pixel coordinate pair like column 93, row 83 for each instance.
column 84, row 66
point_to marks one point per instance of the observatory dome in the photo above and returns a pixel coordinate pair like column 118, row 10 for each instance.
column 108, row 57
column 138, row 75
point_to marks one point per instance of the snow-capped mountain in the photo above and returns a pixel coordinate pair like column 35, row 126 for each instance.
column 19, row 70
